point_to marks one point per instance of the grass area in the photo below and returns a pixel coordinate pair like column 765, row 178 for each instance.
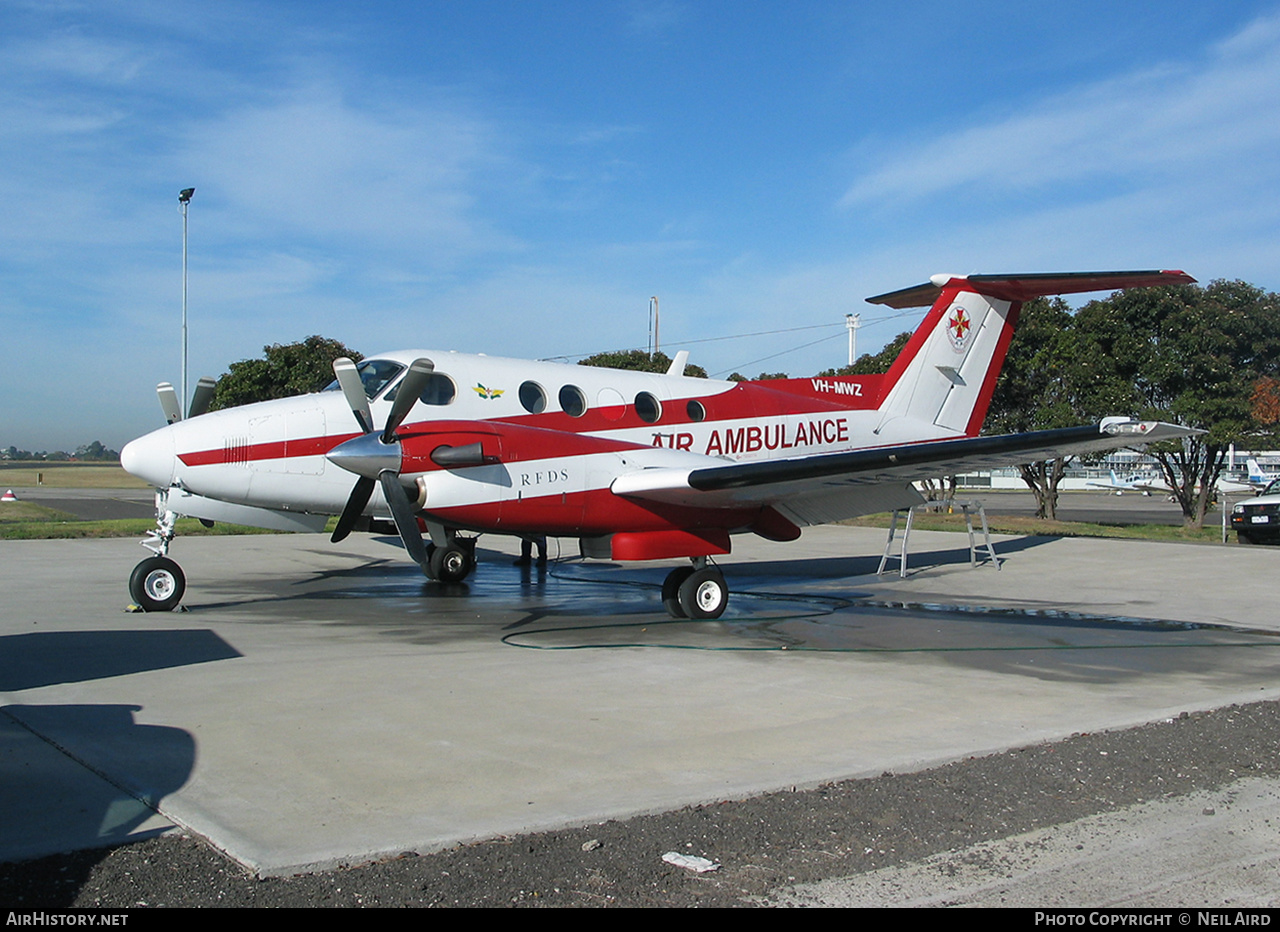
column 30, row 512
column 28, row 521
column 68, row 476
column 1038, row 527
column 62, row 529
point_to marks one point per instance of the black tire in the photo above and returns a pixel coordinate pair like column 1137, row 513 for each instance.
column 452, row 564
column 1244, row 537
column 157, row 584
column 426, row 567
column 671, row 591
column 704, row 594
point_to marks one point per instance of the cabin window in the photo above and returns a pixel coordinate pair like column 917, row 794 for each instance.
column 648, row 407
column 695, row 410
column 533, row 397
column 375, row 374
column 439, row 390
column 572, row 401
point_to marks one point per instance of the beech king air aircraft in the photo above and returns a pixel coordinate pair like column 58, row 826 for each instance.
column 638, row 466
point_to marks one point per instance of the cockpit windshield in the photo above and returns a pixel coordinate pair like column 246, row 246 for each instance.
column 375, row 374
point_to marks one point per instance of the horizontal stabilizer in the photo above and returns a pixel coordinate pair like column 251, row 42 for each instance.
column 1025, row 286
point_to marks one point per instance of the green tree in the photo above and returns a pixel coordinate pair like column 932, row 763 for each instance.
column 1192, row 356
column 96, row 451
column 1046, row 383
column 638, row 360
column 286, row 369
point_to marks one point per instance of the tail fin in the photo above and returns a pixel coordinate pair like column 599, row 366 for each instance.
column 946, row 374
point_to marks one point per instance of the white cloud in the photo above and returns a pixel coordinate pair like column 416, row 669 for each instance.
column 1176, row 124
column 319, row 168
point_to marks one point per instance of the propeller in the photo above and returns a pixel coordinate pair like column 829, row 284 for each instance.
column 375, row 456
column 201, row 398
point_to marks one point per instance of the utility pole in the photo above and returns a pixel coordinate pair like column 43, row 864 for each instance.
column 852, row 322
column 184, row 201
column 653, row 326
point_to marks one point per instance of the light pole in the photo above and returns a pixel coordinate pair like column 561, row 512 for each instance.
column 653, row 326
column 852, row 322
column 184, row 201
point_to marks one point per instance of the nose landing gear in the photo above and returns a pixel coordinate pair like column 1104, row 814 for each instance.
column 157, row 584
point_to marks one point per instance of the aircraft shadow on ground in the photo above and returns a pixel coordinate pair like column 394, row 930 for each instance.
column 83, row 778
column 28, row 661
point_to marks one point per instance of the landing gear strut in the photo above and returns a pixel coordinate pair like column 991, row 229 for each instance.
column 697, row 591
column 157, row 583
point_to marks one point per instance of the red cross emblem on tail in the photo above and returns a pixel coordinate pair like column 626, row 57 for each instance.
column 959, row 326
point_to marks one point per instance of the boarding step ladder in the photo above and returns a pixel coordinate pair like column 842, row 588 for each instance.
column 949, row 506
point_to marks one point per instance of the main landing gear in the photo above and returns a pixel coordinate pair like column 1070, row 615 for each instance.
column 157, row 583
column 452, row 562
column 697, row 591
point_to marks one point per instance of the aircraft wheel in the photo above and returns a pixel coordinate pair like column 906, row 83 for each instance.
column 671, row 591
column 157, row 584
column 426, row 567
column 704, row 594
column 452, row 563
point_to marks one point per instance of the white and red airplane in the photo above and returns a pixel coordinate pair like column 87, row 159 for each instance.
column 638, row 466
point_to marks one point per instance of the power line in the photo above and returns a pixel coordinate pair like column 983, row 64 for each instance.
column 793, row 349
column 759, row 333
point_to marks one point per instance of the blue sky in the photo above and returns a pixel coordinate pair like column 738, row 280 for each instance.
column 518, row 178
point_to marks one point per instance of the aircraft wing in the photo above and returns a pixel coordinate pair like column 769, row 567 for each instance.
column 832, row 486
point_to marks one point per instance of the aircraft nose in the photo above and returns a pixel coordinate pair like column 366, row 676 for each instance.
column 150, row 458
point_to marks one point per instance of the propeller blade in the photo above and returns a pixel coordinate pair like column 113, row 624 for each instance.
column 353, row 389
column 355, row 507
column 402, row 512
column 202, row 397
column 411, row 386
column 169, row 402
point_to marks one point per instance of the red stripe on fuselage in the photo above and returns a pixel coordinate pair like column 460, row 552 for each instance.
column 231, row 454
column 543, row 435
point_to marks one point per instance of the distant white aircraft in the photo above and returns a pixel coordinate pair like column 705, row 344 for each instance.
column 1259, row 478
column 1137, row 482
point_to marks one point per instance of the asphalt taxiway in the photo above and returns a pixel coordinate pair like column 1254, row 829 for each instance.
column 319, row 705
